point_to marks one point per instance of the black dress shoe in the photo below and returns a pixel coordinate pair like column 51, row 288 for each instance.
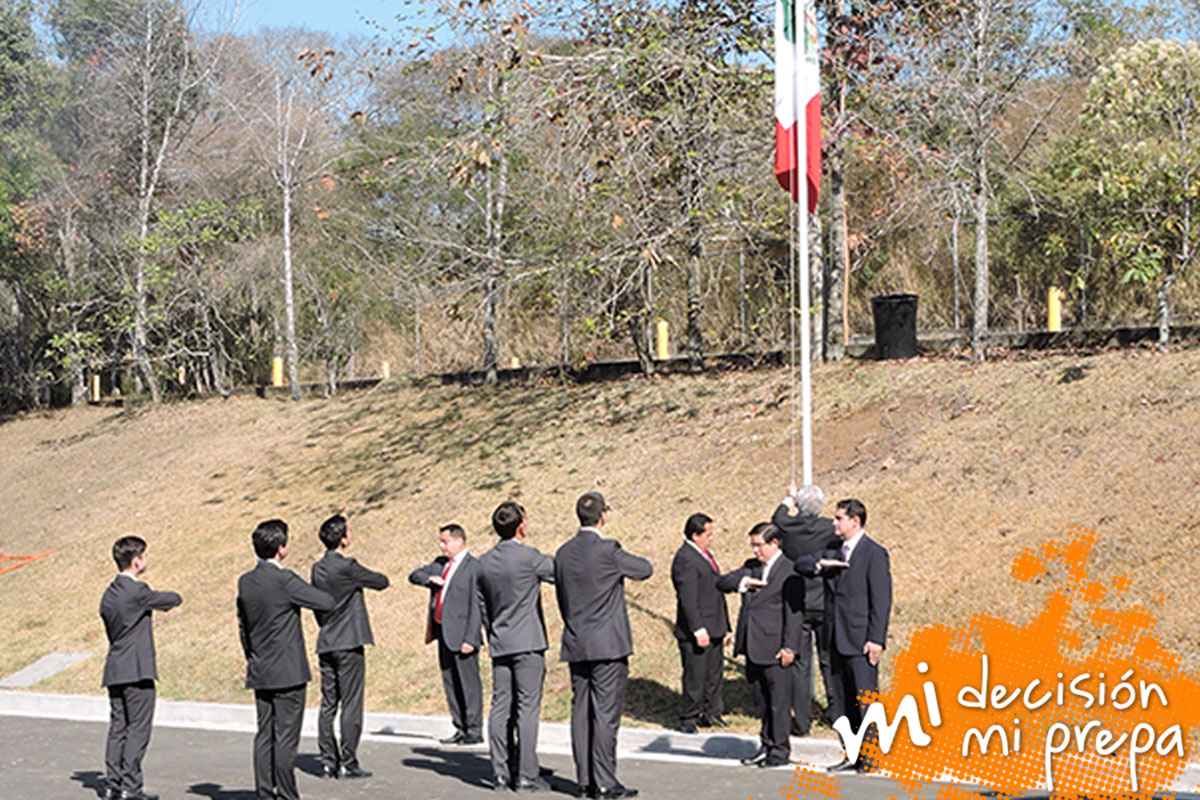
column 767, row 763
column 845, row 765
column 616, row 791
column 499, row 784
column 585, row 791
column 717, row 721
column 755, row 760
column 138, row 795
column 457, row 738
column 798, row 731
column 688, row 727
column 112, row 794
column 328, row 772
column 355, row 772
column 536, row 785
column 471, row 740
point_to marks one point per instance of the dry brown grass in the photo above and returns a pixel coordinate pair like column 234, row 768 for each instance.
column 960, row 466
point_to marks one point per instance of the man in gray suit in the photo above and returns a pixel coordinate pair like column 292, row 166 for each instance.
column 510, row 577
column 268, row 608
column 455, row 623
column 130, row 669
column 344, row 632
column 589, row 576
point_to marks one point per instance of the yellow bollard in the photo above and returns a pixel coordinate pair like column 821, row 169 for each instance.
column 1054, row 300
column 277, row 371
column 662, row 350
column 95, row 388
column 515, row 363
column 386, row 370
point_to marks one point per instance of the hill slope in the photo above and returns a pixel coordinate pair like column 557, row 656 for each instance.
column 960, row 466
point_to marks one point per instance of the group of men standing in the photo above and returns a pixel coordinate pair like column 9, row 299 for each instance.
column 500, row 593
column 810, row 579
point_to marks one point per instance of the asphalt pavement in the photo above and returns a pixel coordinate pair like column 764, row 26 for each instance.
column 57, row 759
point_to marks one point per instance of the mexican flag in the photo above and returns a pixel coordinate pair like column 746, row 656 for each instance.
column 797, row 97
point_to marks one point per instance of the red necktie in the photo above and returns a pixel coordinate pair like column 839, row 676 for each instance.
column 709, row 558
column 437, row 611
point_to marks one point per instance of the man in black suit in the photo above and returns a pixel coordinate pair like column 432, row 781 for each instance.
column 805, row 533
column 510, row 577
column 268, row 608
column 701, row 622
column 858, row 603
column 589, row 577
column 768, row 635
column 455, row 623
column 344, row 632
column 130, row 670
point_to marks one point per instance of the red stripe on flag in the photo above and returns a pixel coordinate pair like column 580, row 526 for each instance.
column 812, row 114
column 785, row 159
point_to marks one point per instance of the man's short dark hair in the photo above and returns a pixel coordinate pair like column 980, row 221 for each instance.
column 768, row 531
column 333, row 530
column 455, row 531
column 590, row 507
column 696, row 523
column 854, row 508
column 268, row 537
column 126, row 549
column 507, row 517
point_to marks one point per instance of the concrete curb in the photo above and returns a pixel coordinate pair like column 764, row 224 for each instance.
column 654, row 744
column 649, row 744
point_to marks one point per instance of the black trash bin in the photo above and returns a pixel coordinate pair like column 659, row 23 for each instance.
column 895, row 325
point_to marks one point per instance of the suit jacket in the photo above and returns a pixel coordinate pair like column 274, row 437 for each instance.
column 125, row 608
column 346, row 626
column 510, row 576
column 805, row 535
column 858, row 598
column 462, row 622
column 268, row 608
column 698, row 601
column 771, row 617
column 589, row 577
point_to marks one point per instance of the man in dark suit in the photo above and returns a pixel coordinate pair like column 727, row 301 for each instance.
column 510, row 577
column 768, row 635
column 589, row 577
column 268, row 608
column 455, row 623
column 701, row 622
column 130, row 670
column 344, row 632
column 805, row 533
column 858, row 603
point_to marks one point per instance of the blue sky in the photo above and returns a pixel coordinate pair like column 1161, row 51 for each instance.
column 341, row 17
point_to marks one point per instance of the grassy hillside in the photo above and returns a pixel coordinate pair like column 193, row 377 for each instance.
column 960, row 466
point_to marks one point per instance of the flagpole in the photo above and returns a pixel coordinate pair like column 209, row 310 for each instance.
column 805, row 310
column 799, row 102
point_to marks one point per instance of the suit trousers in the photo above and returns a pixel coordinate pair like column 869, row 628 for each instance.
column 802, row 674
column 702, row 680
column 464, row 691
column 853, row 675
column 342, row 678
column 280, row 714
column 513, row 724
column 597, row 698
column 131, row 714
column 772, row 688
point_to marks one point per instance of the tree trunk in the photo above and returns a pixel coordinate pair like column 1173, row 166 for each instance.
column 980, row 327
column 289, row 299
column 1164, row 311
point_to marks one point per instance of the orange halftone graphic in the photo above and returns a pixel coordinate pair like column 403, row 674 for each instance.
column 1081, row 700
column 807, row 783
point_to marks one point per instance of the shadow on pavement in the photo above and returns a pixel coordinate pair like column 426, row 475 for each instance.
column 216, row 791
column 91, row 779
column 474, row 769
column 309, row 764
